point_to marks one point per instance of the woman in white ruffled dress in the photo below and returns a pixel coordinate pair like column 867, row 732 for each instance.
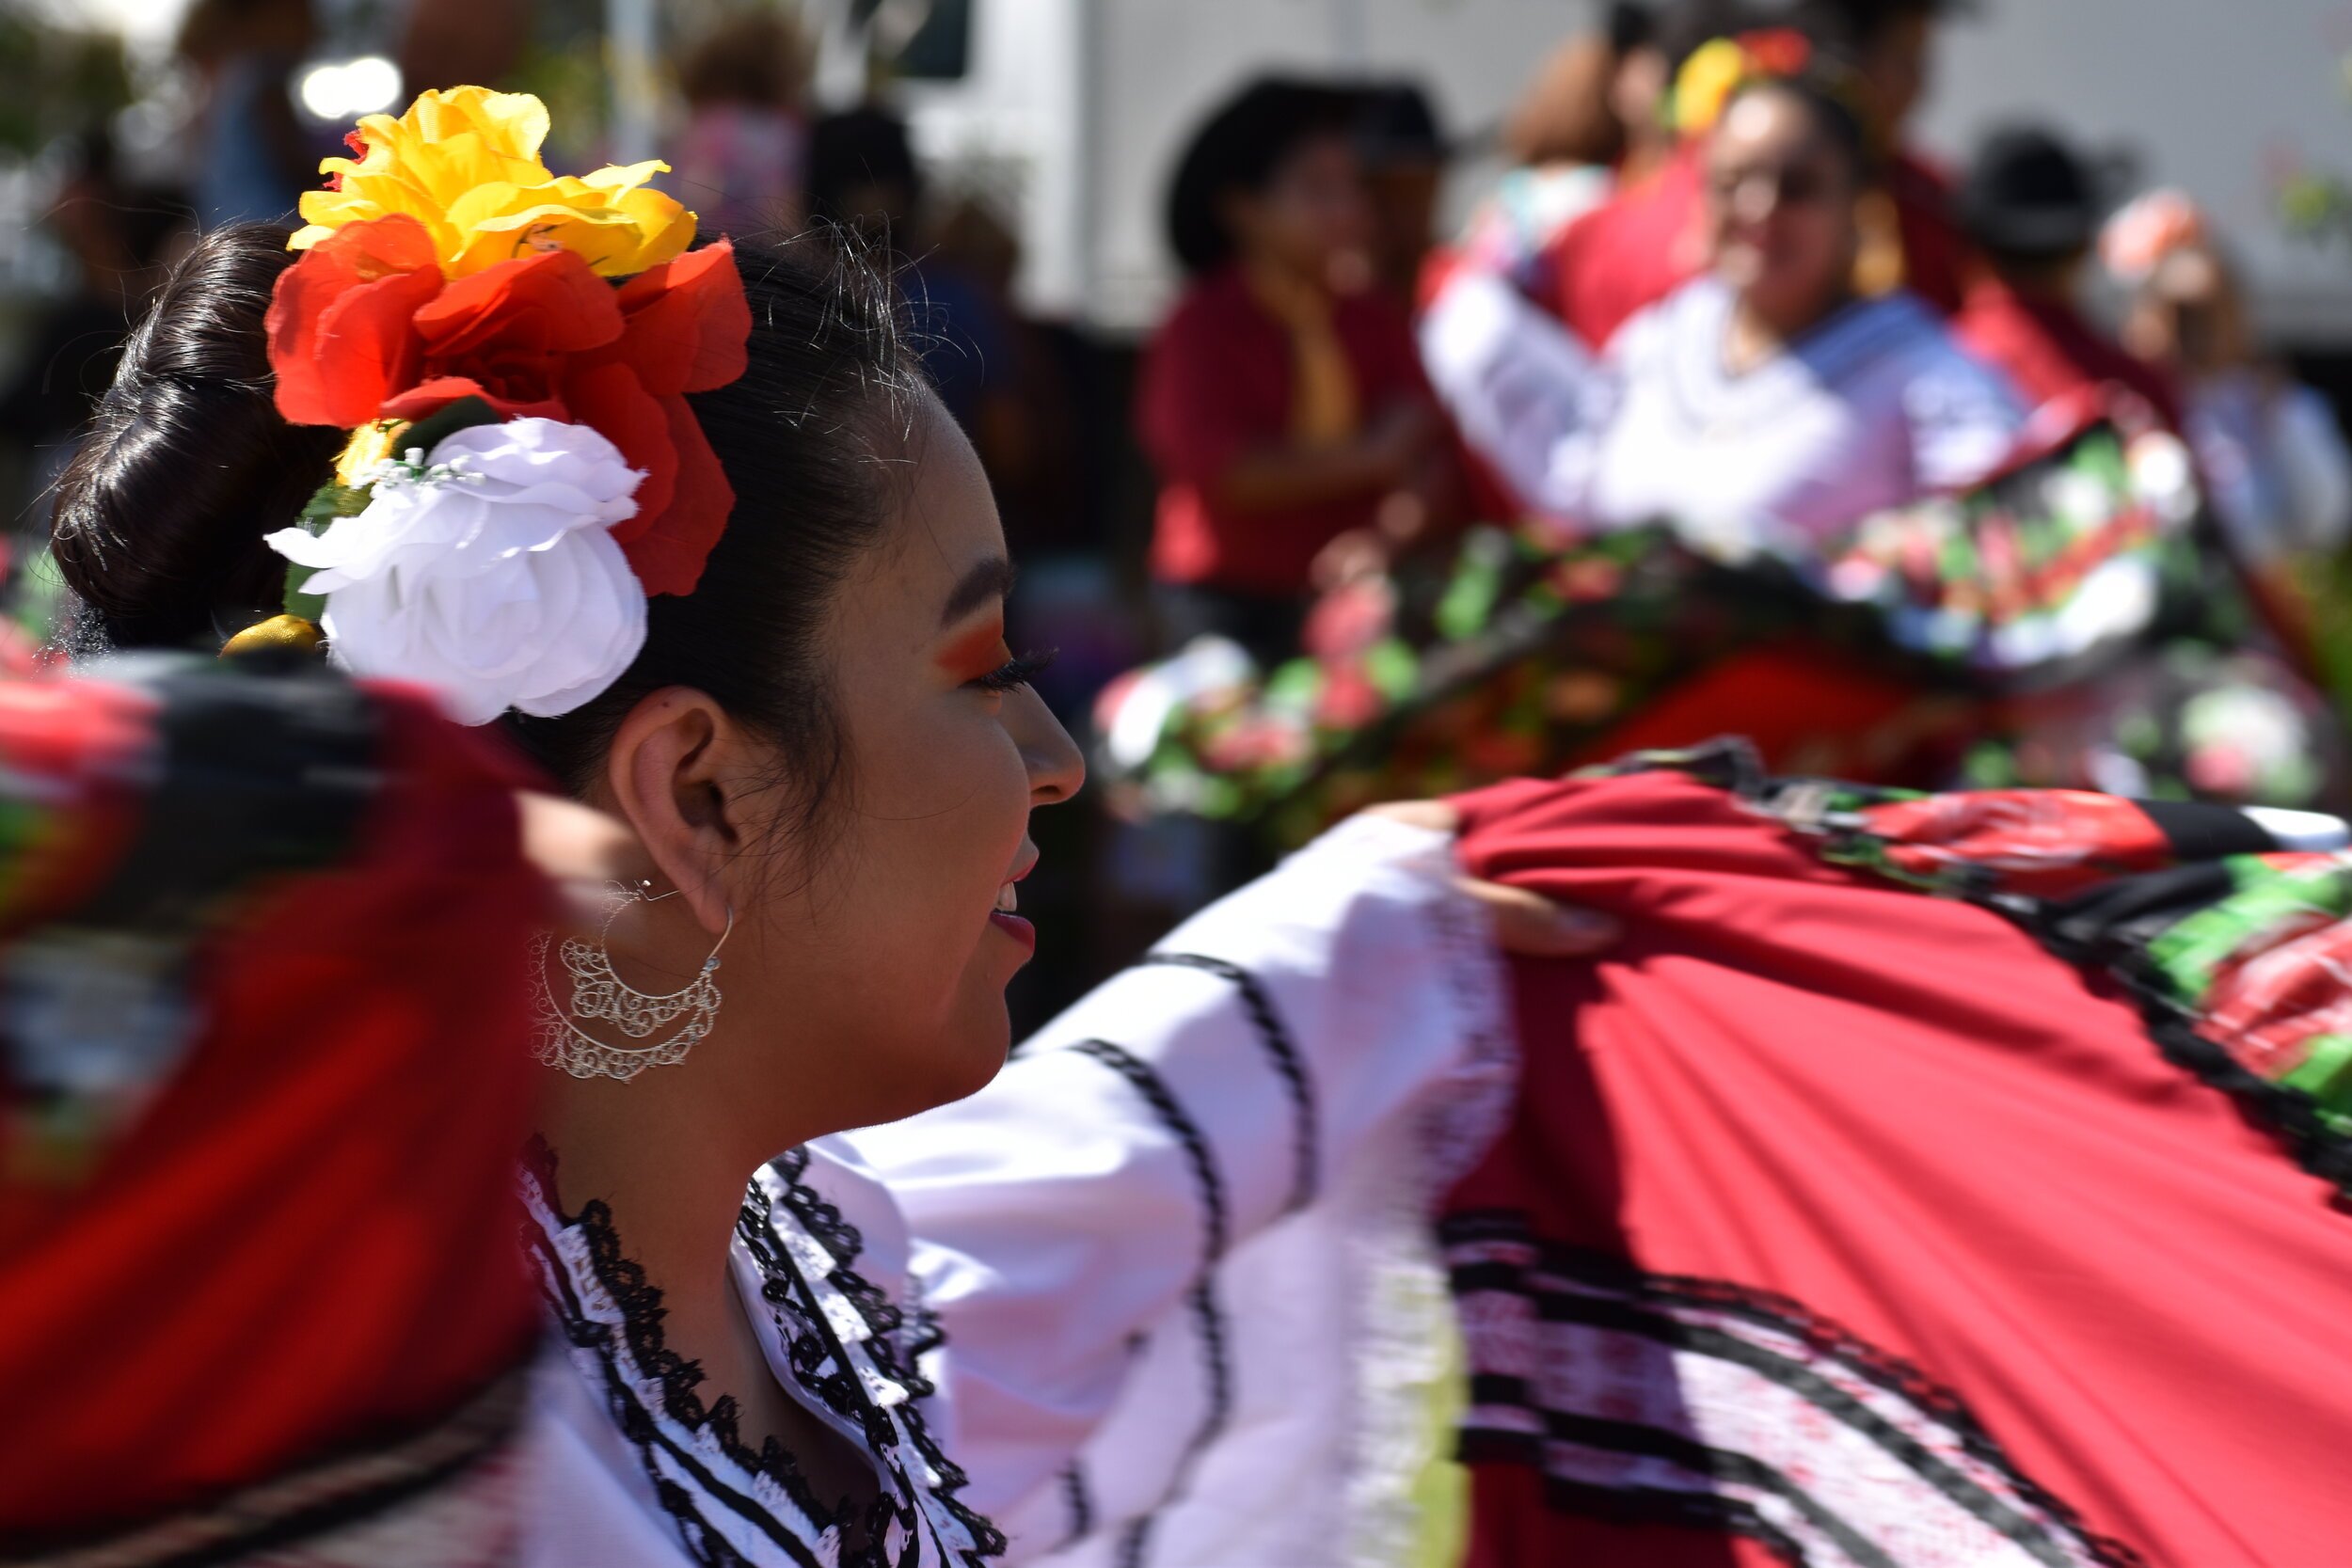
column 1163, row 1245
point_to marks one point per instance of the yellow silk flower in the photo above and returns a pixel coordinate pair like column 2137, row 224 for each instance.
column 465, row 162
column 1706, row 83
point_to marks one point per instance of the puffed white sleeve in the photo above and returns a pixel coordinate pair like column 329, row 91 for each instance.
column 1075, row 1223
column 1527, row 396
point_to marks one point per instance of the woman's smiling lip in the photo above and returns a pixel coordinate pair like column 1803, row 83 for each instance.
column 1002, row 916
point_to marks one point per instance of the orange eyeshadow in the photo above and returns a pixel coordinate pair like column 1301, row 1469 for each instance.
column 977, row 652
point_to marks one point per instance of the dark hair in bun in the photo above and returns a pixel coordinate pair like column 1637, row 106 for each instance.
column 159, row 517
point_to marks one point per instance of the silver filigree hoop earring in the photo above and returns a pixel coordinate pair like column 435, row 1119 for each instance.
column 600, row 994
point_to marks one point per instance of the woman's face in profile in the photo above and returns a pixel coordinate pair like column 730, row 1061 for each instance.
column 1780, row 207
column 889, row 961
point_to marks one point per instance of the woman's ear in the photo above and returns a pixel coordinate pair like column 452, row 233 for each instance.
column 667, row 773
column 1878, row 257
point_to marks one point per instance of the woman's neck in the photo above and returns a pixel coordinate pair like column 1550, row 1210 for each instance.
column 1755, row 334
column 660, row 1152
column 1272, row 274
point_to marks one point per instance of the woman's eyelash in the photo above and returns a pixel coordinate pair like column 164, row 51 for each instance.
column 1017, row 672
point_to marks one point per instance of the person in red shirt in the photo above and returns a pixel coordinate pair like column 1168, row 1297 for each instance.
column 1280, row 408
column 1644, row 240
column 2032, row 208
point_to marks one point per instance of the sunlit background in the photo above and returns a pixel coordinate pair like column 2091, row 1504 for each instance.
column 1064, row 113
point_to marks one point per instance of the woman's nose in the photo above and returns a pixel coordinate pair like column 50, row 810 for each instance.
column 1056, row 768
column 1756, row 199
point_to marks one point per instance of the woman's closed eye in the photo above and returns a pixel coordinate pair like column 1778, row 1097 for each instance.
column 1016, row 671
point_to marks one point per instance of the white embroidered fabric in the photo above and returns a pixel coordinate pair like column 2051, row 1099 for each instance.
column 629, row 1464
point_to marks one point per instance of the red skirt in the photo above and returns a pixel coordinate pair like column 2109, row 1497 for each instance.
column 1841, row 1225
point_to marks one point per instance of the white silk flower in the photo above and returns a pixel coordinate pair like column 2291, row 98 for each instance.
column 497, row 584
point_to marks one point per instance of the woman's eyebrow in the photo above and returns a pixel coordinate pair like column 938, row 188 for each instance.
column 989, row 580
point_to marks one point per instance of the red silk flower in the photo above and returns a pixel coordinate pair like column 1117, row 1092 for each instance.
column 364, row 327
column 1779, row 51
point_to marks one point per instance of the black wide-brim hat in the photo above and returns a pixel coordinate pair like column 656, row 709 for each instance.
column 1396, row 124
column 2027, row 194
column 1237, row 145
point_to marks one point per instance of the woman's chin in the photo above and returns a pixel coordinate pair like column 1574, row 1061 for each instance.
column 1737, row 266
column 963, row 1050
column 971, row 1048
column 970, row 1061
column 952, row 1063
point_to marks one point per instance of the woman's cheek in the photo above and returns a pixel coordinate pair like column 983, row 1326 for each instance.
column 975, row 832
column 1000, row 798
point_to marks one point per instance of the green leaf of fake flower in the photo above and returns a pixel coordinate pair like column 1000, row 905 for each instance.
column 442, row 424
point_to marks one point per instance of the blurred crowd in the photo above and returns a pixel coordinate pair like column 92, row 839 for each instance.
column 1713, row 301
column 1304, row 217
column 1726, row 410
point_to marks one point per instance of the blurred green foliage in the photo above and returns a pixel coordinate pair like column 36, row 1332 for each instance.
column 54, row 81
column 565, row 66
column 2315, row 206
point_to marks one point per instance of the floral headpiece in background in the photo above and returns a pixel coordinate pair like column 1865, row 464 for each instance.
column 1720, row 67
column 511, row 350
column 2148, row 228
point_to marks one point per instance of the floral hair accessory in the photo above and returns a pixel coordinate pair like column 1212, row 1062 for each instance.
column 1718, row 69
column 448, row 282
column 2149, row 228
